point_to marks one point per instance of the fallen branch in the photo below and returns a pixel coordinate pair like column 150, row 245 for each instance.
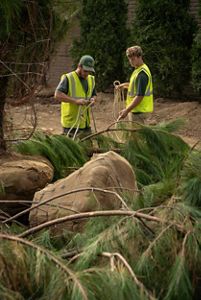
column 182, row 253
column 69, row 254
column 101, row 213
column 114, row 129
column 152, row 244
column 108, row 130
column 52, row 257
column 4, row 215
column 61, row 195
column 131, row 272
column 30, row 202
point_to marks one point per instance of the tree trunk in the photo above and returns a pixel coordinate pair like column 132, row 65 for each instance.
column 3, row 89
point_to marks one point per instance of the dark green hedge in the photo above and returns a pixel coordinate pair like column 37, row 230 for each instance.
column 165, row 31
column 104, row 36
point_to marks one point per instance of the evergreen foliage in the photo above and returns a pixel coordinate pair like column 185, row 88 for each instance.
column 164, row 150
column 119, row 257
column 164, row 30
column 61, row 151
column 30, row 28
column 191, row 180
column 104, row 36
column 29, row 33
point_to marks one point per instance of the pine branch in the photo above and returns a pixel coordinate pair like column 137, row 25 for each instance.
column 65, row 194
column 131, row 272
column 180, row 286
column 30, row 202
column 153, row 243
column 52, row 257
column 184, row 243
column 108, row 130
column 93, row 215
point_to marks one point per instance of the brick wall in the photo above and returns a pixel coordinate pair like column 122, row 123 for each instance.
column 62, row 63
column 131, row 10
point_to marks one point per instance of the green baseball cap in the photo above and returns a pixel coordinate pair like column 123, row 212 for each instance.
column 87, row 63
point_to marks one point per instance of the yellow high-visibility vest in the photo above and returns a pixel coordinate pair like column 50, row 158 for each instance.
column 146, row 105
column 72, row 114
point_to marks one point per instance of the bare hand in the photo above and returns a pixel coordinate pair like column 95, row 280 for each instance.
column 82, row 102
column 92, row 101
column 122, row 86
column 122, row 114
column 117, row 86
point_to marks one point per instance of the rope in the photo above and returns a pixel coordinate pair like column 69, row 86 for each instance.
column 93, row 119
column 119, row 100
column 118, row 105
column 80, row 115
column 77, row 119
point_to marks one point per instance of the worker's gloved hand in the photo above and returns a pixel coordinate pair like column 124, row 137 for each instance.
column 82, row 102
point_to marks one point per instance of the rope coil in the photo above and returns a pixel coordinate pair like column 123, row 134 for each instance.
column 118, row 104
column 80, row 115
column 119, row 99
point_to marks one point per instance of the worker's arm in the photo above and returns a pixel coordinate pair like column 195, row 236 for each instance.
column 93, row 98
column 124, row 85
column 62, row 97
column 141, row 82
column 124, row 112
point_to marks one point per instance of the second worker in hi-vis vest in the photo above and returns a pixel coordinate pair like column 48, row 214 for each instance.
column 76, row 92
column 139, row 99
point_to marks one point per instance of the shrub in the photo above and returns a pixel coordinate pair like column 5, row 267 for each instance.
column 165, row 31
column 103, row 35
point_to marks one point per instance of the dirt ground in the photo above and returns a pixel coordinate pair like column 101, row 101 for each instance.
column 48, row 115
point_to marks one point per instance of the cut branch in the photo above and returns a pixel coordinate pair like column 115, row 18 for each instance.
column 131, row 272
column 52, row 257
column 109, row 129
column 93, row 214
column 65, row 194
column 29, row 202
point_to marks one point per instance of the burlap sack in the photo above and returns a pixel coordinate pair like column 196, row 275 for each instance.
column 107, row 171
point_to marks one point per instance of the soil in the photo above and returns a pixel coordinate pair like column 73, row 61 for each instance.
column 48, row 115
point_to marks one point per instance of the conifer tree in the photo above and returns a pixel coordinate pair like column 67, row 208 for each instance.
column 103, row 35
column 27, row 29
column 165, row 31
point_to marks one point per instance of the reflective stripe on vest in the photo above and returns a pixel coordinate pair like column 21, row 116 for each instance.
column 146, row 105
column 70, row 115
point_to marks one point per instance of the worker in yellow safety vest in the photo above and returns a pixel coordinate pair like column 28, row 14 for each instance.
column 76, row 93
column 139, row 101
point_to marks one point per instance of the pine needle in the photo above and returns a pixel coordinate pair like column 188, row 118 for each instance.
column 68, row 273
column 180, row 286
column 157, row 153
column 172, row 126
column 191, row 179
column 60, row 150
